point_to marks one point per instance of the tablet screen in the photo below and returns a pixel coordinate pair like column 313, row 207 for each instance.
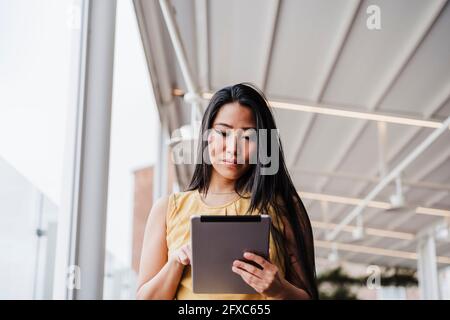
column 217, row 241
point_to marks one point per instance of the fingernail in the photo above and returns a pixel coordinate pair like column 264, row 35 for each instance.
column 247, row 254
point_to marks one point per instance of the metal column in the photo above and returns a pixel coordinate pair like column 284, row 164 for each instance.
column 427, row 268
column 82, row 222
column 160, row 172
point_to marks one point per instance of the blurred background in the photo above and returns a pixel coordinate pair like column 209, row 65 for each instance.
column 97, row 98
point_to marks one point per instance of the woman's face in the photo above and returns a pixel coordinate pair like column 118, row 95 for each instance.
column 232, row 140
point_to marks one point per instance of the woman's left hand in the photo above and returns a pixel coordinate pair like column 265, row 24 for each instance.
column 266, row 281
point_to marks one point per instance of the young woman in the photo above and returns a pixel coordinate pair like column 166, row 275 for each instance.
column 226, row 181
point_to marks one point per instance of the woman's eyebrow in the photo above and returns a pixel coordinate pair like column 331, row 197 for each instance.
column 228, row 126
column 223, row 124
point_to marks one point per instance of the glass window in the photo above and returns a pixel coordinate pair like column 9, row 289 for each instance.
column 38, row 73
column 133, row 149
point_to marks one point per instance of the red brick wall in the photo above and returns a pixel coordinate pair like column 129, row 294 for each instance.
column 143, row 202
column 143, row 192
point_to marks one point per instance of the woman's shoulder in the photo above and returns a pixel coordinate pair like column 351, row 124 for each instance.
column 175, row 199
column 180, row 195
column 180, row 202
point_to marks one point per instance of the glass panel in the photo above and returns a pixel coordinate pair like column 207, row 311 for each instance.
column 133, row 148
column 38, row 72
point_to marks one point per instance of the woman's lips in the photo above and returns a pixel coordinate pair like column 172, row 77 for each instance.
column 229, row 163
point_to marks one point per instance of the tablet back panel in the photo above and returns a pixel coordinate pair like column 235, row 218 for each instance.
column 217, row 241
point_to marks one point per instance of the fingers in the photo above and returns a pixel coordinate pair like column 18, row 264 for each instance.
column 249, row 268
column 186, row 249
column 185, row 254
column 250, row 279
column 183, row 258
column 189, row 251
column 259, row 279
column 258, row 259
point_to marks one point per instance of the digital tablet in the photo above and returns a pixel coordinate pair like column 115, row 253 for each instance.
column 216, row 241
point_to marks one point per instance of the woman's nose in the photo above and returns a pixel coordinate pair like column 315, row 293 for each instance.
column 231, row 144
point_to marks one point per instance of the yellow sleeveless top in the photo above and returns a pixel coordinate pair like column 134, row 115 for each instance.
column 180, row 208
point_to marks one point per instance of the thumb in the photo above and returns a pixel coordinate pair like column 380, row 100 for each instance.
column 189, row 250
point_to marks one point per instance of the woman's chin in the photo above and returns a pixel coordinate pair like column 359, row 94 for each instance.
column 230, row 173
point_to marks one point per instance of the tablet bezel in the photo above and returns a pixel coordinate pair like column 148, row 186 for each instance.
column 219, row 279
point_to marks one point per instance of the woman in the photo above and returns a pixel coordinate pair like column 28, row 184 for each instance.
column 226, row 181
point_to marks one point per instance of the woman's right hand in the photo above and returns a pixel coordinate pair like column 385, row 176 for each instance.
column 182, row 255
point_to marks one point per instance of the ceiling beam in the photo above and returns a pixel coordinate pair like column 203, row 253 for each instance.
column 328, row 198
column 403, row 143
column 160, row 67
column 399, row 221
column 202, row 38
column 193, row 96
column 330, row 65
column 150, row 30
column 420, row 175
column 374, row 179
column 274, row 11
column 389, row 82
column 395, row 223
column 391, row 176
column 383, row 233
column 361, row 249
column 341, row 112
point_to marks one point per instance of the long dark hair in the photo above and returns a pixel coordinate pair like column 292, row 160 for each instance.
column 274, row 191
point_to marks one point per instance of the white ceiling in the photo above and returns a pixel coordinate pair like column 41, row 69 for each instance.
column 321, row 52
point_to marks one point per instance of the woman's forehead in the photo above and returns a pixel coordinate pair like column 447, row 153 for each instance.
column 234, row 115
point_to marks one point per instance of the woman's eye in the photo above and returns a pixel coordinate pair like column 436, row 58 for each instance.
column 249, row 137
column 222, row 133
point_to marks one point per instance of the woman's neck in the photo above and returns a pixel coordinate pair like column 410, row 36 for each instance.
column 219, row 184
